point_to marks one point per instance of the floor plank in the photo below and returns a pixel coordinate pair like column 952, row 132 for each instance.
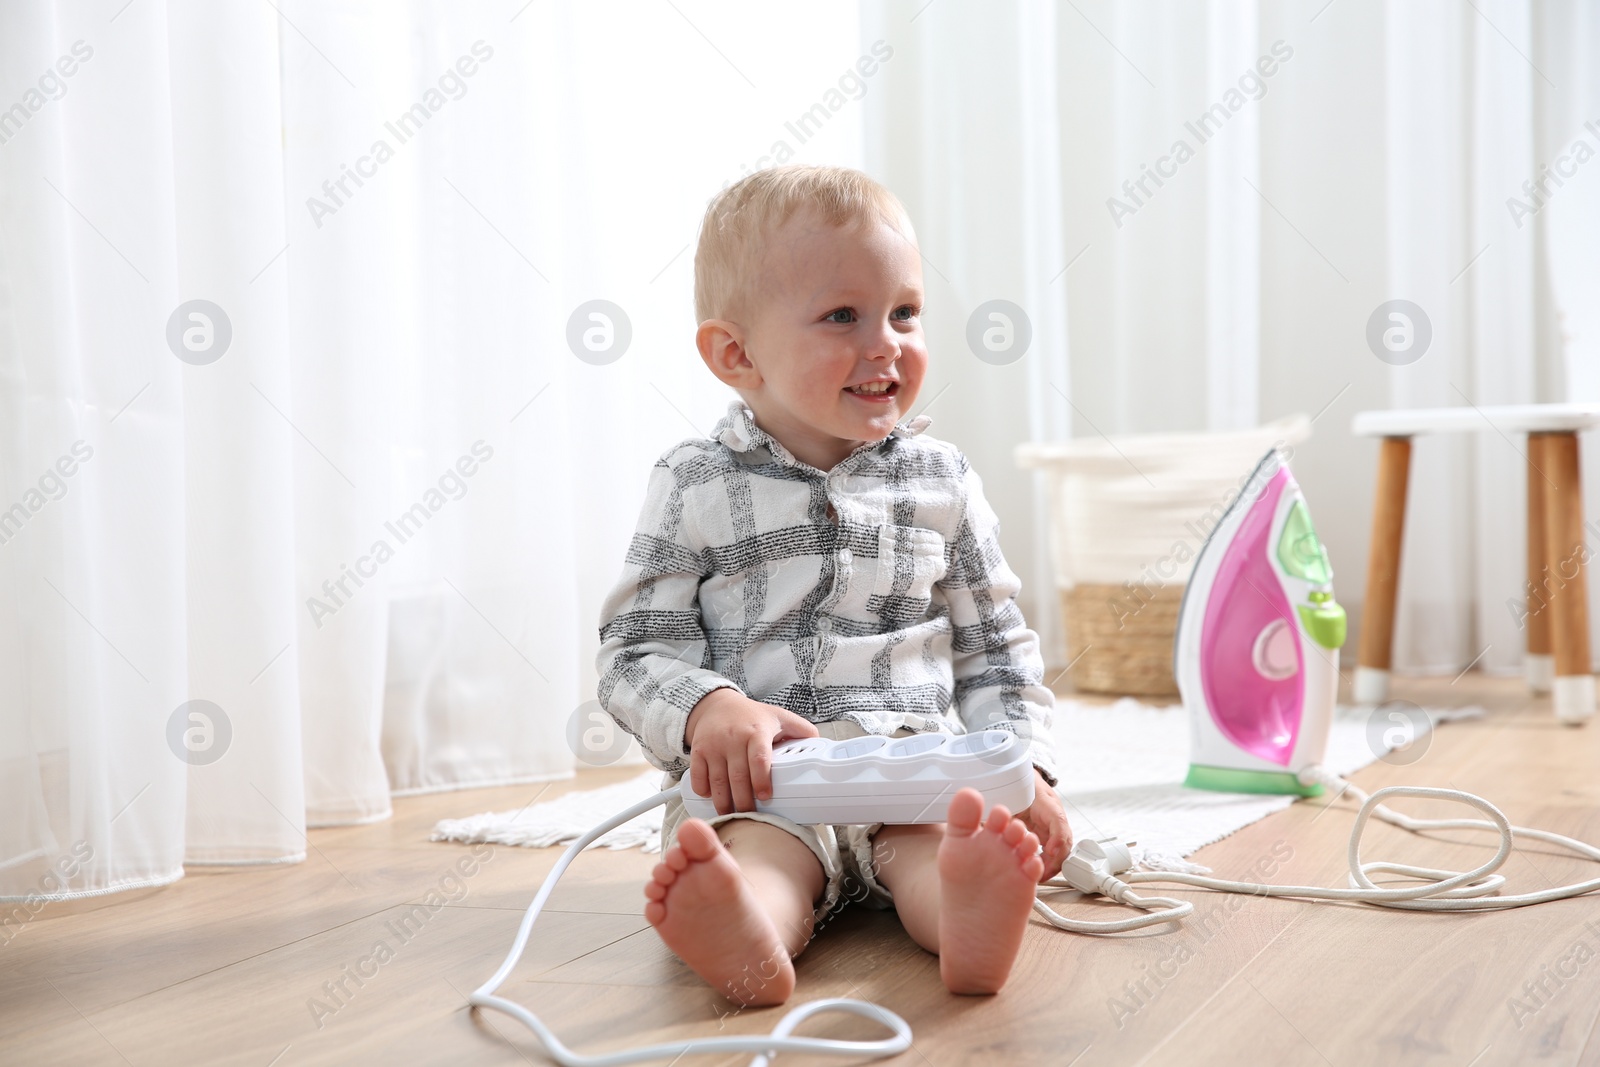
column 261, row 966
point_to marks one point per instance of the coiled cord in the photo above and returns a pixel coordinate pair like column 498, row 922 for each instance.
column 1437, row 890
column 765, row 1046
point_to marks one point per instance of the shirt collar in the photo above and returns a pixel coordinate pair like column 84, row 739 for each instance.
column 738, row 430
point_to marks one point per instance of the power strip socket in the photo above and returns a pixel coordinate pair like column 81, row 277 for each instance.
column 889, row 780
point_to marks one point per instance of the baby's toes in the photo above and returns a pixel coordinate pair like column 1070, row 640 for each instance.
column 1032, row 866
column 1012, row 834
column 965, row 816
column 1025, row 850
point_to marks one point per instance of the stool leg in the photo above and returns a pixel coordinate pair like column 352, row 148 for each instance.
column 1383, row 572
column 1538, row 664
column 1568, row 594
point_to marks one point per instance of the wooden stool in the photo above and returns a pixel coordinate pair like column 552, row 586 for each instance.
column 1558, row 600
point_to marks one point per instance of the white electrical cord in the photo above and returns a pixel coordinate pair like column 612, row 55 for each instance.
column 765, row 1046
column 1172, row 911
column 1091, row 869
column 1440, row 890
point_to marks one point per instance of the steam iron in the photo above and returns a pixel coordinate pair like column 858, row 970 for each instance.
column 1256, row 654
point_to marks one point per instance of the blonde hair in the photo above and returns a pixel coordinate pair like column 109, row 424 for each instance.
column 739, row 217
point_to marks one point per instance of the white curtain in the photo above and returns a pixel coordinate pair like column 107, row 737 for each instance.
column 373, row 533
column 1486, row 101
column 1355, row 153
column 967, row 131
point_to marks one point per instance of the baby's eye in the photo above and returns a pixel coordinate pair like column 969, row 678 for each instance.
column 834, row 316
column 910, row 310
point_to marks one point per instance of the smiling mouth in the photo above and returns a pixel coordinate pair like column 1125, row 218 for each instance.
column 874, row 390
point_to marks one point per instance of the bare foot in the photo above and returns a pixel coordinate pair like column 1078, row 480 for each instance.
column 705, row 911
column 987, row 874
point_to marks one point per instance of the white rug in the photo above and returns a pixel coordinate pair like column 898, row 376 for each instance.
column 1121, row 765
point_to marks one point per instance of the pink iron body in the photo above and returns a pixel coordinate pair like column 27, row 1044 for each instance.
column 1256, row 654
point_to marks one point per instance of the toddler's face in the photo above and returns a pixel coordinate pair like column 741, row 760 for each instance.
column 833, row 309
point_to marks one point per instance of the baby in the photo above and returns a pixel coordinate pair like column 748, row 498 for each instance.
column 820, row 567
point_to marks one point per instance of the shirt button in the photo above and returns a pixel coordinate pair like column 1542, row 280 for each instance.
column 844, row 555
column 824, row 625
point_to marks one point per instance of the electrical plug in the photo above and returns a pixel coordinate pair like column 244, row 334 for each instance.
column 1094, row 865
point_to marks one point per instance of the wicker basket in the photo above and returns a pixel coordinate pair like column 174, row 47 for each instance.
column 1119, row 642
column 1126, row 520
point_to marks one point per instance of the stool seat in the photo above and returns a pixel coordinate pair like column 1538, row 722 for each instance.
column 1556, row 615
column 1506, row 418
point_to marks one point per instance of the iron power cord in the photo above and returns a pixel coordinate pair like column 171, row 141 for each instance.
column 1104, row 867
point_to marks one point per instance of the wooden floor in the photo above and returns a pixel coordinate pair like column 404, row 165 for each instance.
column 231, row 967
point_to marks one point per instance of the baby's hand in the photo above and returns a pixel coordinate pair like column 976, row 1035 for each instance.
column 730, row 739
column 1048, row 821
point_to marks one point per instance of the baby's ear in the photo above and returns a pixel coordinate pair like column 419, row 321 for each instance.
column 721, row 344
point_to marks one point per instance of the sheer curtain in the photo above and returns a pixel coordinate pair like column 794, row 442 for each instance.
column 1335, row 156
column 341, row 530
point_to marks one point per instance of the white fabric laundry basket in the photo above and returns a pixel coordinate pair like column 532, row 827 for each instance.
column 1127, row 516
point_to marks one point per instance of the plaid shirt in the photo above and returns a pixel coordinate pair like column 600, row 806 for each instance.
column 738, row 576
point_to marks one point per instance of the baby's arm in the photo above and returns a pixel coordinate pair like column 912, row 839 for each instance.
column 655, row 665
column 654, row 662
column 999, row 673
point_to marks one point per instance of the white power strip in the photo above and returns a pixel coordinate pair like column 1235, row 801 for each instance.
column 889, row 780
